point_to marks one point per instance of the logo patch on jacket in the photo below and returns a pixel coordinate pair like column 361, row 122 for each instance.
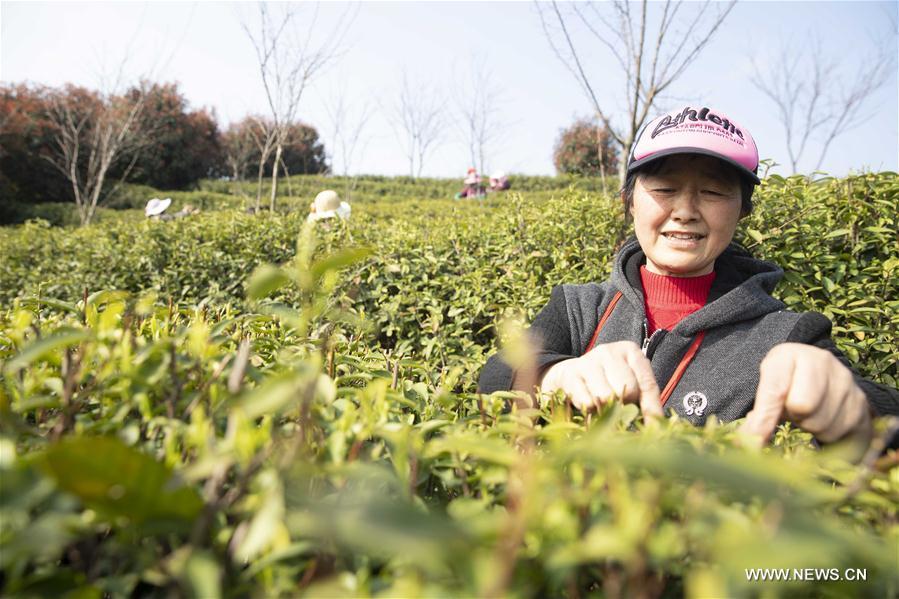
column 695, row 403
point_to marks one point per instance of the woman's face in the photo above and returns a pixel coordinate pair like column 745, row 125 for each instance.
column 685, row 215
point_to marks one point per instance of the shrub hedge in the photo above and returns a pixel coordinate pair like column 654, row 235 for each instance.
column 269, row 409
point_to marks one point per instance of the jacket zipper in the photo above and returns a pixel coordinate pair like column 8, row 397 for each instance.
column 650, row 341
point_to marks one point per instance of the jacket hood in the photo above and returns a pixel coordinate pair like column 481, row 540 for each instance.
column 741, row 290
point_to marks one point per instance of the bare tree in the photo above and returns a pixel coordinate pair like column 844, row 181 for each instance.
column 239, row 142
column 91, row 134
column 478, row 100
column 264, row 135
column 418, row 119
column 347, row 122
column 818, row 97
column 288, row 61
column 650, row 57
column 245, row 140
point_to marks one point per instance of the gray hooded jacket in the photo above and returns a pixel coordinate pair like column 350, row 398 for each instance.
column 741, row 319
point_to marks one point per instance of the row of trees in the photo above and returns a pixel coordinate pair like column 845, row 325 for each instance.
column 90, row 139
column 76, row 143
column 71, row 141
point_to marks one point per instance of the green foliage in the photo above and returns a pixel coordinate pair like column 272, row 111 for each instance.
column 381, row 189
column 58, row 214
column 295, row 193
column 480, row 261
column 836, row 241
column 125, row 483
column 274, row 408
column 135, row 197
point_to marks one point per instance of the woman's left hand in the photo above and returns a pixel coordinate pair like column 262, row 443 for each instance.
column 811, row 388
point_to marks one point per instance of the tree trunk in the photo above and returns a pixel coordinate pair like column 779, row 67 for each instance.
column 481, row 161
column 622, row 164
column 275, row 177
column 78, row 200
column 602, row 157
column 287, row 177
column 94, row 198
column 259, row 183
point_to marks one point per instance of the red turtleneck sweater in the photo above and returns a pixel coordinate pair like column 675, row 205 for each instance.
column 669, row 299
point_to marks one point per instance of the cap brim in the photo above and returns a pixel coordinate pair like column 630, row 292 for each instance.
column 689, row 150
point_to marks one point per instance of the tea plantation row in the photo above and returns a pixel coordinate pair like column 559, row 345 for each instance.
column 293, row 193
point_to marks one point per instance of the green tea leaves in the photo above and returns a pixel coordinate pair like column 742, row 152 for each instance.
column 62, row 338
column 125, row 483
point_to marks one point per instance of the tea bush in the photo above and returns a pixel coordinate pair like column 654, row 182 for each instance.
column 834, row 238
column 294, row 193
column 58, row 214
column 238, row 405
column 378, row 188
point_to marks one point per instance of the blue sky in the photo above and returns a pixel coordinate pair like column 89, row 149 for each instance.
column 202, row 46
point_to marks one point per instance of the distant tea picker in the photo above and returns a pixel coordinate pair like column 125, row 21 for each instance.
column 472, row 186
column 156, row 207
column 327, row 204
column 499, row 181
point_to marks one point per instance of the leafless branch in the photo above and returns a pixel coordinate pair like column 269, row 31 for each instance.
column 238, row 141
column 649, row 52
column 289, row 59
column 477, row 103
column 91, row 134
column 418, row 119
column 347, row 122
column 815, row 96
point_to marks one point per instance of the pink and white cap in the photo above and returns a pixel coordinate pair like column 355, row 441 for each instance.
column 696, row 131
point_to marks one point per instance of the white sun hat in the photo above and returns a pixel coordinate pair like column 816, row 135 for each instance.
column 156, row 206
column 498, row 175
column 327, row 204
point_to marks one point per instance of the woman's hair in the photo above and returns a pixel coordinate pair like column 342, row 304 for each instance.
column 651, row 168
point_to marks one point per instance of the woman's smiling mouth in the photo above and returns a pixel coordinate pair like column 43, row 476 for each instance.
column 683, row 235
column 682, row 239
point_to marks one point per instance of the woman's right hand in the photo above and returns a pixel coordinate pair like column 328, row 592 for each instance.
column 607, row 371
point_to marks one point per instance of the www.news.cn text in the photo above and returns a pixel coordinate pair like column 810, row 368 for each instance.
column 805, row 574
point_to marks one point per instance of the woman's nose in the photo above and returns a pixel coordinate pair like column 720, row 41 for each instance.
column 684, row 206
